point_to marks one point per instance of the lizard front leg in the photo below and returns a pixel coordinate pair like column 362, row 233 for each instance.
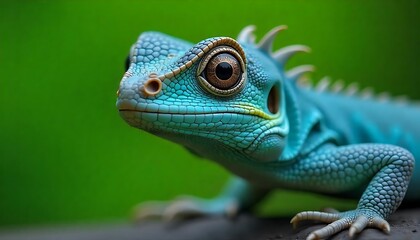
column 385, row 169
column 237, row 196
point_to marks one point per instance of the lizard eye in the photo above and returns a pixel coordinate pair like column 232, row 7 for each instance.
column 222, row 71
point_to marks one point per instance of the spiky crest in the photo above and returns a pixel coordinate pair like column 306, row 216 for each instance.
column 297, row 72
column 247, row 34
column 266, row 43
column 325, row 84
column 283, row 54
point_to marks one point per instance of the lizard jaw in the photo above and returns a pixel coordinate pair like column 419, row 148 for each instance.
column 189, row 121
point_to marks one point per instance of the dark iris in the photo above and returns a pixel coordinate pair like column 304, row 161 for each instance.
column 127, row 63
column 224, row 70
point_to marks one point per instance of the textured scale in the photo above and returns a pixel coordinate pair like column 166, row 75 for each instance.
column 272, row 132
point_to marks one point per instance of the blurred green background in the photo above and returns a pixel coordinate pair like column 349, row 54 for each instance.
column 65, row 154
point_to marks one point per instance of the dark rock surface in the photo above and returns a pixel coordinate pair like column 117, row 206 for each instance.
column 405, row 224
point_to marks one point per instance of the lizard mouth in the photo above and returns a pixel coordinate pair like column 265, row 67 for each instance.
column 201, row 122
column 239, row 109
column 170, row 118
column 218, row 116
column 184, row 113
column 179, row 123
column 204, row 123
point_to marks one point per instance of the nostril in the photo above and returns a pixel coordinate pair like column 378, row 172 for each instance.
column 152, row 87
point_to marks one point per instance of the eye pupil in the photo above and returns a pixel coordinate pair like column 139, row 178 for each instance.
column 224, row 70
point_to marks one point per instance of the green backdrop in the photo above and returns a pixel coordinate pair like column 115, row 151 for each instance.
column 65, row 154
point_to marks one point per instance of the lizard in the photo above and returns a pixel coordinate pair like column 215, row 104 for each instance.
column 233, row 102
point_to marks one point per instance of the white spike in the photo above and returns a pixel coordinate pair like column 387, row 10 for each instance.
column 383, row 97
column 304, row 82
column 283, row 54
column 247, row 34
column 401, row 99
column 366, row 93
column 323, row 84
column 297, row 72
column 337, row 86
column 266, row 43
column 352, row 89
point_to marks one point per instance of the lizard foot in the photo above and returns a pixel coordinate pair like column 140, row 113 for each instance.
column 356, row 220
column 185, row 207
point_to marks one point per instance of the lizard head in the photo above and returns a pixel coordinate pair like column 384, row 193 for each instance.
column 215, row 97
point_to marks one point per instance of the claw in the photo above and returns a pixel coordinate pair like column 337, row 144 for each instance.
column 180, row 210
column 232, row 209
column 381, row 224
column 312, row 236
column 358, row 225
column 148, row 210
column 294, row 222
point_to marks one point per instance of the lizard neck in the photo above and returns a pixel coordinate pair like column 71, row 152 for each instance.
column 307, row 129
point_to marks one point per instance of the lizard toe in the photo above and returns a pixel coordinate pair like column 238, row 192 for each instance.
column 314, row 215
column 356, row 220
column 183, row 209
column 329, row 230
column 186, row 207
column 358, row 225
column 330, row 210
column 232, row 209
column 148, row 210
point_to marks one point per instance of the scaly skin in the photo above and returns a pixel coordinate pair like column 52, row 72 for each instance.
column 232, row 102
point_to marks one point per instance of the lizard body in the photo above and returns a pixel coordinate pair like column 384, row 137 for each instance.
column 231, row 101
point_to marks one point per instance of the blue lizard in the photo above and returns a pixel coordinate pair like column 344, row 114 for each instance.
column 231, row 101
